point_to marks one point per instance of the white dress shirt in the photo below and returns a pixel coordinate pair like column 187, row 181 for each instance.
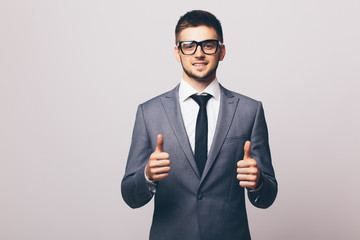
column 189, row 109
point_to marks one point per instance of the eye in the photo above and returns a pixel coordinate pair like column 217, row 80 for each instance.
column 188, row 46
column 209, row 45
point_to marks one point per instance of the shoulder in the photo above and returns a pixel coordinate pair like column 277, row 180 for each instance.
column 155, row 101
column 243, row 100
column 246, row 106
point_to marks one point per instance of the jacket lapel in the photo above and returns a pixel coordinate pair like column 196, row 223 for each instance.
column 172, row 109
column 227, row 109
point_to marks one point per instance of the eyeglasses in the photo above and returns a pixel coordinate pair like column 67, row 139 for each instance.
column 189, row 47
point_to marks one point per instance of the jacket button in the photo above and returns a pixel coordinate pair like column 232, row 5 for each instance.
column 199, row 196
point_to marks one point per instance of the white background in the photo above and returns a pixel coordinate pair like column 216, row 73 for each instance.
column 72, row 73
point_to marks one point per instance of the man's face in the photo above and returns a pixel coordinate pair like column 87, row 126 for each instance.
column 199, row 66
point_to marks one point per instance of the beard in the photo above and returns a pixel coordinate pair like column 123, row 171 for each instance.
column 207, row 78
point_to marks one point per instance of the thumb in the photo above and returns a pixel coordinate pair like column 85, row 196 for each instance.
column 160, row 143
column 247, row 147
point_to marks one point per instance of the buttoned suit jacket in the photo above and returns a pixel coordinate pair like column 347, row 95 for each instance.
column 190, row 206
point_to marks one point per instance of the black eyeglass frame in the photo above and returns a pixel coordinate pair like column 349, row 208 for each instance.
column 218, row 43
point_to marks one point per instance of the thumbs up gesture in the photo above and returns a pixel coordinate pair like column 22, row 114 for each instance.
column 158, row 166
column 247, row 171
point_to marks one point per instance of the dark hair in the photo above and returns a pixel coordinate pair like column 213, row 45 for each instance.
column 197, row 18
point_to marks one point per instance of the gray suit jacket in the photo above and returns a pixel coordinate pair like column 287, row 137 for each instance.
column 187, row 206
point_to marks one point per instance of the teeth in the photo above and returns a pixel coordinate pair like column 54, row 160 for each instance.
column 199, row 64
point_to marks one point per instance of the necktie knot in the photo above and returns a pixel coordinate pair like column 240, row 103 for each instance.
column 201, row 99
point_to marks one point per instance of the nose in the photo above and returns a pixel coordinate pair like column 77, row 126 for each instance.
column 199, row 52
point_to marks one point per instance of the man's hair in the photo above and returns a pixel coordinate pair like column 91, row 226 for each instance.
column 197, row 18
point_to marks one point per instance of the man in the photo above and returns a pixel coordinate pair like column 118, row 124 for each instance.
column 198, row 146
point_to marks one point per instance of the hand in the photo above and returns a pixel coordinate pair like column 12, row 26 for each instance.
column 158, row 166
column 248, row 172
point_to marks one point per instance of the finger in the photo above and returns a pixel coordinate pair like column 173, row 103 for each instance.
column 160, row 143
column 159, row 156
column 246, row 177
column 159, row 163
column 250, row 170
column 159, row 177
column 159, row 170
column 247, row 147
column 246, row 163
column 243, row 164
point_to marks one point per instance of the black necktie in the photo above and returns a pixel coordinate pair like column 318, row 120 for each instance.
column 201, row 133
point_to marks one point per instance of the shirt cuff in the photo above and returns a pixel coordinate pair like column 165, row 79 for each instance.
column 150, row 183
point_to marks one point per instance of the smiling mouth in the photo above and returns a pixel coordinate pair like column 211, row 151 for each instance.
column 199, row 64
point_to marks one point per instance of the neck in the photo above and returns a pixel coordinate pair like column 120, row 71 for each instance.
column 197, row 84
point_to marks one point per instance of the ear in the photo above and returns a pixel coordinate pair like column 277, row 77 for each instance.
column 177, row 54
column 222, row 52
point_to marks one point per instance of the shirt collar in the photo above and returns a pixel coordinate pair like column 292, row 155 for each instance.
column 185, row 90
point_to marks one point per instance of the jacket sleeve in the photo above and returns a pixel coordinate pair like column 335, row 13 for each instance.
column 260, row 151
column 134, row 188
